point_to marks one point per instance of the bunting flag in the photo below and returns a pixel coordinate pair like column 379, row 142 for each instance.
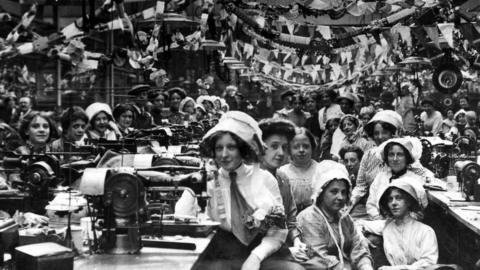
column 447, row 31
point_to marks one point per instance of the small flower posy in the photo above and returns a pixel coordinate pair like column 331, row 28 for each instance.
column 264, row 220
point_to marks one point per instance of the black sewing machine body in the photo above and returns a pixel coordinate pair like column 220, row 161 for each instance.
column 132, row 202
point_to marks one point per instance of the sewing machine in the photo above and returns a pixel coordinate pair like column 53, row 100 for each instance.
column 468, row 174
column 131, row 202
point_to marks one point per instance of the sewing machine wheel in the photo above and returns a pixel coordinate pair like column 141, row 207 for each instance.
column 39, row 174
column 125, row 193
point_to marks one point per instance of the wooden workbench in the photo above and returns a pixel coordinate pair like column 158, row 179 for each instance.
column 467, row 213
column 457, row 226
column 148, row 259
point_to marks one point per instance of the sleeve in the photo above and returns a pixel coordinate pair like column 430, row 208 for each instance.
column 360, row 253
column 361, row 186
column 316, row 236
column 428, row 251
column 275, row 237
column 437, row 124
column 418, row 169
column 290, row 207
column 428, row 254
column 371, row 206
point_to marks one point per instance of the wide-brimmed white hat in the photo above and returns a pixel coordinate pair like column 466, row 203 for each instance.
column 411, row 144
column 240, row 124
column 411, row 186
column 326, row 172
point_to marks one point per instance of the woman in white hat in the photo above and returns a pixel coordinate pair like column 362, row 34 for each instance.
column 408, row 243
column 398, row 154
column 241, row 194
column 383, row 126
column 333, row 240
column 101, row 125
column 460, row 123
column 187, row 106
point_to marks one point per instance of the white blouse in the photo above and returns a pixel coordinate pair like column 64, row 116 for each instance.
column 260, row 190
column 410, row 244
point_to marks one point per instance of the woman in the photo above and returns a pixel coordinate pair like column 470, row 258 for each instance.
column 187, row 106
column 366, row 113
column 74, row 124
column 158, row 100
column 277, row 134
column 236, row 191
column 329, row 108
column 383, row 126
column 101, row 125
column 326, row 141
column 398, row 154
column 460, row 123
column 207, row 104
column 408, row 243
column 300, row 171
column 311, row 106
column 431, row 118
column 351, row 156
column 334, row 241
column 349, row 125
column 37, row 131
column 124, row 115
column 175, row 96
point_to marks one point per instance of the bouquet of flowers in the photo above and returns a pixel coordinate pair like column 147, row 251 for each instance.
column 262, row 219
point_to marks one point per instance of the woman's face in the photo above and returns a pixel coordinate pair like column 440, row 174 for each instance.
column 100, row 123
column 217, row 104
column 311, row 104
column 227, row 154
column 380, row 134
column 126, row 119
column 348, row 127
column 159, row 102
column 200, row 114
column 276, row 152
column 38, row 131
column 301, row 149
column 427, row 107
column 76, row 130
column 207, row 105
column 175, row 100
column 326, row 100
column 345, row 105
column 450, row 114
column 461, row 119
column 397, row 158
column 334, row 196
column 333, row 125
column 352, row 162
column 189, row 107
column 397, row 204
column 463, row 103
column 365, row 118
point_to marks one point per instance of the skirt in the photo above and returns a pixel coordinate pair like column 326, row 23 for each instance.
column 225, row 252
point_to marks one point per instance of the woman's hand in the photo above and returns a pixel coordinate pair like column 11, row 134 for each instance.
column 251, row 263
column 299, row 250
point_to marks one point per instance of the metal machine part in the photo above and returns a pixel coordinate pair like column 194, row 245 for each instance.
column 468, row 173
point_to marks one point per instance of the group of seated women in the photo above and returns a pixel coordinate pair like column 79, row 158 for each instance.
column 266, row 166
